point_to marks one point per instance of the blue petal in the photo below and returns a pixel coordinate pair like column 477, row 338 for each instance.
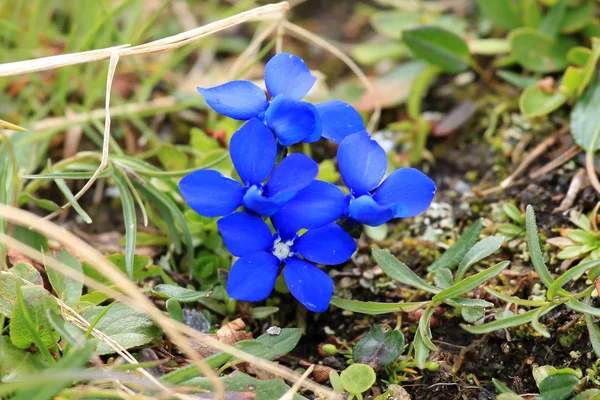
column 367, row 211
column 307, row 283
column 291, row 120
column 287, row 74
column 244, row 233
column 338, row 120
column 293, row 173
column 253, row 151
column 236, row 99
column 318, row 131
column 407, row 190
column 328, row 245
column 253, row 276
column 255, row 201
column 362, row 162
column 211, row 194
column 319, row 204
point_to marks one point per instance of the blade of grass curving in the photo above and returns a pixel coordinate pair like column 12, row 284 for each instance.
column 156, row 196
column 562, row 280
column 166, row 220
column 516, row 300
column 452, row 257
column 469, row 283
column 71, row 198
column 593, row 331
column 401, row 272
column 535, row 323
column 478, row 252
column 374, row 308
column 582, row 308
column 137, row 198
column 508, row 322
column 129, row 218
column 533, row 243
column 425, row 327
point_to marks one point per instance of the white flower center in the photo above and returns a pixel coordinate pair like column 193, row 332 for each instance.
column 282, row 250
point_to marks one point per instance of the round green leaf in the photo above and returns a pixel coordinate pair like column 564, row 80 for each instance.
column 439, row 47
column 358, row 378
column 539, row 52
column 381, row 346
column 534, row 102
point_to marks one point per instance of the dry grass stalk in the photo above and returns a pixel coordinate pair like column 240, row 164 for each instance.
column 134, row 298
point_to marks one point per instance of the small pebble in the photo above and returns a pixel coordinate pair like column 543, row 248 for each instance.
column 274, row 330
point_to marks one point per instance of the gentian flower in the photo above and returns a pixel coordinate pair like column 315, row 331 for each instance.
column 252, row 276
column 253, row 151
column 288, row 80
column 405, row 193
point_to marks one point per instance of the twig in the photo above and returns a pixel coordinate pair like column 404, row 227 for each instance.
column 577, row 183
column 557, row 162
column 289, row 395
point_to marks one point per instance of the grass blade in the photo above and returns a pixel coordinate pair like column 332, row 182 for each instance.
column 582, row 308
column 129, row 218
column 567, row 276
column 533, row 243
column 509, row 322
column 478, row 252
column 516, row 300
column 71, row 198
column 374, row 308
column 451, row 257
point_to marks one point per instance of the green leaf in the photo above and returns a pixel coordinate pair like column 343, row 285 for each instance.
column 11, row 127
column 469, row 283
column 180, row 294
column 421, row 350
column 579, row 56
column 44, row 204
column 582, row 308
column 174, row 309
column 516, row 300
column 503, row 13
column 578, row 17
column 374, row 308
column 535, row 323
column 443, row 278
column 501, row 387
column 590, row 67
column 172, row 158
column 377, row 233
column 130, row 219
column 594, row 333
column 67, row 289
column 240, row 382
column 18, row 363
column 372, row 53
column 36, row 300
column 571, row 81
column 400, row 271
column 589, row 394
column 71, row 198
column 75, row 359
column 533, row 244
column 532, row 13
column 469, row 303
column 558, row 387
column 472, row 314
column 202, row 142
column 518, row 80
column 534, row 102
column 478, row 252
column 126, row 326
column 489, row 47
column 328, row 171
column 381, row 346
column 562, row 280
column 418, row 90
column 452, row 257
column 539, row 52
column 263, row 312
column 336, row 381
column 508, row 322
column 424, row 327
column 552, row 22
column 439, row 47
column 358, row 378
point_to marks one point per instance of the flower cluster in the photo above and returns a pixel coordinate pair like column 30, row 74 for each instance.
column 304, row 212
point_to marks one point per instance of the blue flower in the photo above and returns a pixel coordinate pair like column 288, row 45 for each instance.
column 252, row 276
column 363, row 163
column 253, row 150
column 288, row 80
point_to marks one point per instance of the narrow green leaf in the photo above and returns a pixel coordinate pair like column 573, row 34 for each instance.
column 180, row 294
column 516, row 300
column 469, row 283
column 424, row 327
column 594, row 333
column 501, row 387
column 535, row 251
column 468, row 303
column 590, row 66
column 399, row 271
column 562, row 280
column 418, row 90
column 452, row 257
column 515, row 79
column 443, row 278
column 11, row 127
column 481, row 250
column 503, row 13
column 373, row 308
column 535, row 323
column 578, row 17
column 508, row 322
column 174, row 309
column 439, row 47
column 71, row 199
column 578, row 306
column 421, row 350
column 553, row 20
column 129, row 218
